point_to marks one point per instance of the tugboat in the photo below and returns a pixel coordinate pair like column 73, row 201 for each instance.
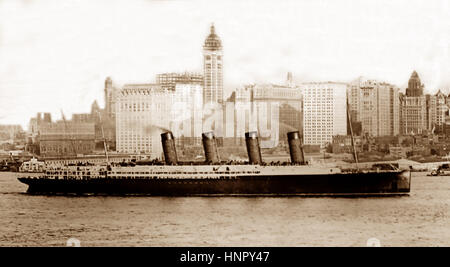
column 442, row 170
column 10, row 165
column 218, row 178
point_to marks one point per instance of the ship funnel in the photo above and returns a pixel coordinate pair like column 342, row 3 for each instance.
column 253, row 150
column 296, row 148
column 210, row 147
column 170, row 152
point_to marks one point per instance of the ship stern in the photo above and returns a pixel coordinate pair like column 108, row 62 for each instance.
column 403, row 181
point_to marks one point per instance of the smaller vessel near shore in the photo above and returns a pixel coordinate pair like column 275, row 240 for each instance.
column 441, row 170
column 10, row 165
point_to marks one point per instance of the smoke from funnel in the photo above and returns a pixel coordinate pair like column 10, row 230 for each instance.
column 154, row 129
column 146, row 128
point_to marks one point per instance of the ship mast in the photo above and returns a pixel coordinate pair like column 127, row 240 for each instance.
column 104, row 139
column 355, row 155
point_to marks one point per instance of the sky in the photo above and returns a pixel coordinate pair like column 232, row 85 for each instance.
column 55, row 55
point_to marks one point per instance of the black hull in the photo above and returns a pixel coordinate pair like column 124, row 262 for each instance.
column 384, row 183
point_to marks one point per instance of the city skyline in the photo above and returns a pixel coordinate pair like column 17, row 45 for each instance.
column 57, row 53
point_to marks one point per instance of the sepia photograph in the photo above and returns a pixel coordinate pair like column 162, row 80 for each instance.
column 246, row 124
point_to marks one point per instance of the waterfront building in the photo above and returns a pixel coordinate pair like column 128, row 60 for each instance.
column 51, row 138
column 375, row 105
column 212, row 69
column 66, row 138
column 60, row 138
column 324, row 112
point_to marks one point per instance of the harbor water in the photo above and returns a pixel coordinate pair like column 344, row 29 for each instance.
column 420, row 219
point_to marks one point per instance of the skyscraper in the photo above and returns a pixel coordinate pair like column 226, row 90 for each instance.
column 143, row 111
column 375, row 105
column 324, row 112
column 212, row 67
column 110, row 98
column 413, row 107
column 436, row 110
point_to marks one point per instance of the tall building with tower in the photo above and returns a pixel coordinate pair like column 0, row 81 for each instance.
column 110, row 98
column 212, row 68
column 413, row 107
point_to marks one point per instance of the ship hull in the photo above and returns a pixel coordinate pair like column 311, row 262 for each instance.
column 351, row 184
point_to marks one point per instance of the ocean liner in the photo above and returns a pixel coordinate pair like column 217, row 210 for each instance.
column 213, row 177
